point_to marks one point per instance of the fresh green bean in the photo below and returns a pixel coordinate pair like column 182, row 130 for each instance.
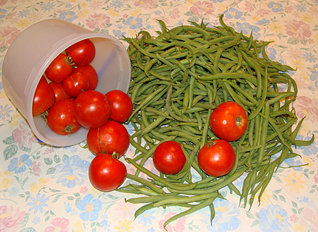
column 177, row 79
column 197, row 207
column 186, row 199
column 146, row 183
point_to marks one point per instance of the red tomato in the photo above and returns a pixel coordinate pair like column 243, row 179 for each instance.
column 92, row 109
column 106, row 173
column 82, row 52
column 112, row 137
column 76, row 84
column 90, row 73
column 59, row 91
column 217, row 157
column 61, row 117
column 43, row 97
column 121, row 105
column 228, row 121
column 59, row 69
column 169, row 158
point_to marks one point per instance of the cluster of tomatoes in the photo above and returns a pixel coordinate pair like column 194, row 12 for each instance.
column 67, row 99
column 228, row 122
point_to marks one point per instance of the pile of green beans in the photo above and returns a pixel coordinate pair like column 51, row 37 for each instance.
column 178, row 78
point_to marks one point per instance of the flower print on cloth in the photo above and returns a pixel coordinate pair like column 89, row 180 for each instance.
column 295, row 182
column 124, row 225
column 298, row 30
column 226, row 216
column 58, row 224
column 6, row 179
column 273, row 218
column 309, row 151
column 38, row 203
column 233, row 13
column 8, row 34
column 247, row 28
column 202, row 8
column 309, row 217
column 311, row 113
column 146, row 217
column 69, row 16
column 19, row 165
column 275, row 6
column 146, row 4
column 177, row 226
column 97, row 21
column 71, row 172
column 89, row 208
column 23, row 135
column 134, row 22
column 11, row 219
column 5, row 112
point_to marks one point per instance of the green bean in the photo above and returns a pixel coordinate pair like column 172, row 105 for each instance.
column 186, row 199
column 197, row 207
column 153, row 198
column 177, row 79
column 191, row 87
column 251, row 100
column 212, row 212
column 136, row 145
column 168, row 107
column 142, row 209
column 154, row 124
column 158, row 112
column 218, row 76
column 143, row 190
column 161, row 180
column 261, row 104
column 233, row 188
column 214, row 188
column 146, row 183
column 237, row 156
column 264, row 133
column 256, row 67
column 199, row 120
column 266, row 181
column 205, row 129
column 149, row 65
column 186, row 99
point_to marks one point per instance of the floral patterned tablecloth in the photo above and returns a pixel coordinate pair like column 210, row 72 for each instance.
column 43, row 188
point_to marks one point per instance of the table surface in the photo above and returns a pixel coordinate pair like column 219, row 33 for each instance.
column 47, row 189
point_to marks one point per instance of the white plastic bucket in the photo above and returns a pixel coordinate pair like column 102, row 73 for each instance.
column 35, row 48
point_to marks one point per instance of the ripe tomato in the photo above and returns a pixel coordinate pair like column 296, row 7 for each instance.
column 228, row 121
column 59, row 91
column 59, row 69
column 106, row 173
column 121, row 105
column 90, row 73
column 43, row 97
column 82, row 52
column 61, row 117
column 112, row 137
column 92, row 109
column 75, row 84
column 169, row 158
column 217, row 157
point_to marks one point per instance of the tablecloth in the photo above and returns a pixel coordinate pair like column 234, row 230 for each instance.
column 44, row 188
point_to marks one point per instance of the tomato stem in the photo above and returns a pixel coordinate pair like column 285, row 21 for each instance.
column 115, row 155
column 211, row 142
